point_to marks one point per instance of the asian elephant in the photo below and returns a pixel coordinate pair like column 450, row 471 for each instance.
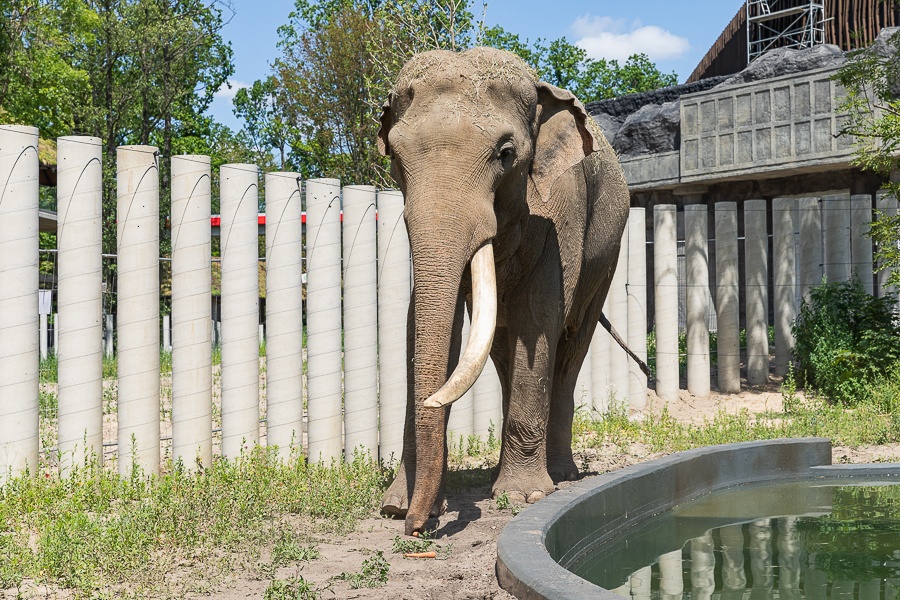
column 515, row 205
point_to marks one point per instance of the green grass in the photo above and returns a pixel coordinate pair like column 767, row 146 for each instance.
column 95, row 530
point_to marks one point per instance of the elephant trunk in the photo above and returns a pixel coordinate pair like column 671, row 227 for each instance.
column 438, row 279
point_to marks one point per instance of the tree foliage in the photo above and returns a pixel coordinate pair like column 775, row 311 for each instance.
column 567, row 66
column 871, row 78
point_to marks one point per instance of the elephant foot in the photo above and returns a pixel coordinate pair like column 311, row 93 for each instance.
column 523, row 488
column 562, row 468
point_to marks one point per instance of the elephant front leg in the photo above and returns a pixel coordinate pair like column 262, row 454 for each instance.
column 522, row 473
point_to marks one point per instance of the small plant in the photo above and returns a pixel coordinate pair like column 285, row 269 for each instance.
column 406, row 546
column 288, row 548
column 294, row 588
column 373, row 573
column 502, row 501
column 789, row 399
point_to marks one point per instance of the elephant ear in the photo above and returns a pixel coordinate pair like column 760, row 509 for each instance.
column 563, row 137
column 387, row 119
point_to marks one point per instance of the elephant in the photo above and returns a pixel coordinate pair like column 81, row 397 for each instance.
column 515, row 205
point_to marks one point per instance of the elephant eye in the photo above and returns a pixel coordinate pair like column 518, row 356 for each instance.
column 507, row 154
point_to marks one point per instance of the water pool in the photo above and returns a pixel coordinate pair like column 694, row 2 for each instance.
column 816, row 538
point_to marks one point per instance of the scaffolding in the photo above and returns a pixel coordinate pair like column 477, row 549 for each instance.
column 783, row 24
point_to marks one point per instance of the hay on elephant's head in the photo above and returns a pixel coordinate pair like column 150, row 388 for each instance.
column 478, row 65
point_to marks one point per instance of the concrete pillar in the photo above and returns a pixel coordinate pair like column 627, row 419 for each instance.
column 108, row 336
column 55, row 334
column 811, row 245
column 728, row 351
column 756, row 253
column 618, row 317
column 191, row 312
column 167, row 333
column 460, row 425
column 138, row 308
column 323, row 318
column 836, row 222
column 671, row 576
column 487, row 403
column 860, row 242
column 790, row 550
column 584, row 392
column 19, row 357
column 696, row 230
column 284, row 313
column 637, row 306
column 665, row 267
column 784, row 262
column 888, row 207
column 240, row 308
column 79, row 193
column 734, row 576
column 703, row 566
column 44, row 333
column 600, row 373
column 394, row 286
column 361, row 322
column 761, row 567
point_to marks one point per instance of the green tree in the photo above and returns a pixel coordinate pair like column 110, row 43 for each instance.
column 40, row 85
column 265, row 122
column 871, row 78
column 567, row 66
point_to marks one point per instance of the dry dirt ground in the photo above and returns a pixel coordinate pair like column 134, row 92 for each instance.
column 468, row 532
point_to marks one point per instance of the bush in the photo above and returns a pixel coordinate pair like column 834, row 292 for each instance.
column 846, row 341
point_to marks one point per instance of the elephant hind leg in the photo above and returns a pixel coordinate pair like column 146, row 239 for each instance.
column 570, row 355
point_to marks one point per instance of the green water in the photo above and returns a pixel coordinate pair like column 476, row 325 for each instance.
column 819, row 540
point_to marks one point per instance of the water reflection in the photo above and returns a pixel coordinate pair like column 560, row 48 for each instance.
column 761, row 560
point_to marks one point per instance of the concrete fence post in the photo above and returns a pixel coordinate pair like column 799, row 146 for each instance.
column 836, row 222
column 696, row 251
column 108, row 348
column 860, row 242
column 79, row 194
column 240, row 308
column 600, row 372
column 394, row 285
column 461, row 424
column 665, row 267
column 19, row 358
column 756, row 253
column 360, row 322
column 728, row 350
column 191, row 312
column 888, row 207
column 138, row 308
column 323, row 318
column 618, row 317
column 637, row 305
column 487, row 400
column 784, row 262
column 284, row 313
column 811, row 245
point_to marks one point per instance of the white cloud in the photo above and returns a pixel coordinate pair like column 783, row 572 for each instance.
column 228, row 92
column 605, row 37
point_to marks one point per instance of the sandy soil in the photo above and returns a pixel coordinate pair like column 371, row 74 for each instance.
column 467, row 533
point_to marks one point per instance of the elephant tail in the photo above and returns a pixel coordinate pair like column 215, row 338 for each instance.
column 608, row 326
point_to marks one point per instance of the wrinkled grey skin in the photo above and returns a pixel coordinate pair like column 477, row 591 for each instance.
column 485, row 153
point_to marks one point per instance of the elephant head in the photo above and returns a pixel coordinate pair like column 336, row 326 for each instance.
column 473, row 138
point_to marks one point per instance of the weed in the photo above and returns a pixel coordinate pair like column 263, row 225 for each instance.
column 294, row 588
column 373, row 573
column 288, row 548
column 502, row 501
column 405, row 546
column 789, row 399
column 48, row 405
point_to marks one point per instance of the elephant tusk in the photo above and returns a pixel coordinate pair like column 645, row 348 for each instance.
column 481, row 333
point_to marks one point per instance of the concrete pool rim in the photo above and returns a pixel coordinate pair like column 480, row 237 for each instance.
column 534, row 547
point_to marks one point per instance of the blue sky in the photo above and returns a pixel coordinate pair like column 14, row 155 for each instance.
column 674, row 33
